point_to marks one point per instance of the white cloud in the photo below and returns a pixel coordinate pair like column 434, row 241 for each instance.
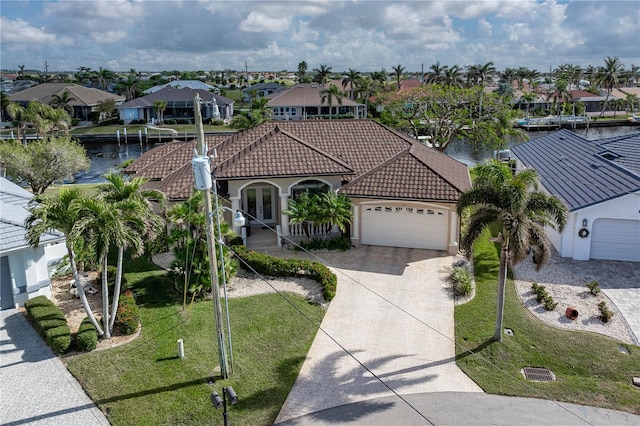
column 21, row 32
column 258, row 22
column 485, row 28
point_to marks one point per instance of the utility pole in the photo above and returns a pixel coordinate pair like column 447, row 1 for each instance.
column 213, row 264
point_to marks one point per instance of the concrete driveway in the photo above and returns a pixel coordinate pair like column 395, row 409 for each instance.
column 620, row 281
column 392, row 317
column 35, row 387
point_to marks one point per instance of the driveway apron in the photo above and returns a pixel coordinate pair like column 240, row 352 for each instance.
column 35, row 387
column 392, row 317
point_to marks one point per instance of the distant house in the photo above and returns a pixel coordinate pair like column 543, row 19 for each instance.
column 592, row 103
column 304, row 101
column 403, row 193
column 181, row 84
column 179, row 105
column 263, row 90
column 24, row 271
column 85, row 99
column 599, row 181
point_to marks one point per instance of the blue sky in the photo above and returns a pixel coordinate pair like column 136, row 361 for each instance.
column 277, row 35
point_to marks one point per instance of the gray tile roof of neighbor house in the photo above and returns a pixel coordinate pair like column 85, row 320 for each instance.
column 14, row 202
column 582, row 172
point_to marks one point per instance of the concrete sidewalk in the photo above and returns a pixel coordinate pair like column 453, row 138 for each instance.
column 35, row 387
column 409, row 347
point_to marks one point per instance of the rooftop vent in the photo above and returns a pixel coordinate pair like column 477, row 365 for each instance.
column 595, row 166
column 609, row 155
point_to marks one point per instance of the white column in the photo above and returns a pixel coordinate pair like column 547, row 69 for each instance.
column 355, row 225
column 235, row 206
column 453, row 233
column 284, row 218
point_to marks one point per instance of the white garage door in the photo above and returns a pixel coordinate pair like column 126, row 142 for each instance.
column 616, row 239
column 413, row 227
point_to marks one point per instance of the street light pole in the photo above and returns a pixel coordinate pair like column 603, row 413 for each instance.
column 202, row 169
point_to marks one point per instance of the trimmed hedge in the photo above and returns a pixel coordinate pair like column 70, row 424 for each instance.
column 50, row 322
column 127, row 315
column 87, row 336
column 276, row 267
column 58, row 338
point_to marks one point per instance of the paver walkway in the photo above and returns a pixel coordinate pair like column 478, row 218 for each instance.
column 35, row 387
column 620, row 281
column 409, row 346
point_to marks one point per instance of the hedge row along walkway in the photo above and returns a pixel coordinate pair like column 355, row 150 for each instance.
column 36, row 387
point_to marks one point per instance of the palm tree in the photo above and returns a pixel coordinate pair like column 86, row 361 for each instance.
column 103, row 225
column 103, row 78
column 452, row 76
column 130, row 87
column 56, row 212
column 322, row 74
column 527, row 98
column 5, row 103
column 329, row 94
column 486, row 72
column 302, row 71
column 472, row 75
column 352, row 78
column 397, row 72
column 367, row 87
column 334, row 209
column 303, row 211
column 561, row 94
column 516, row 205
column 508, row 75
column 436, row 73
column 631, row 100
column 159, row 106
column 63, row 100
column 609, row 77
column 118, row 189
column 380, row 76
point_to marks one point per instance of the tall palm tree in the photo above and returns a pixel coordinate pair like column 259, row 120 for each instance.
column 103, row 78
column 561, row 94
column 159, row 106
column 322, row 74
column 351, row 79
column 103, row 225
column 366, row 88
column 129, row 87
column 56, row 212
column 609, row 77
column 508, row 75
column 330, row 94
column 452, row 76
column 5, row 103
column 302, row 71
column 513, row 202
column 118, row 189
column 380, row 76
column 486, row 72
column 397, row 72
column 435, row 74
column 63, row 100
column 527, row 98
column 472, row 75
column 631, row 100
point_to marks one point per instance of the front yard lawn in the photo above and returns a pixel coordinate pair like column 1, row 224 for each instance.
column 145, row 383
column 590, row 368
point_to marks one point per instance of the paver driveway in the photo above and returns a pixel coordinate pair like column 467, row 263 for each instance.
column 393, row 312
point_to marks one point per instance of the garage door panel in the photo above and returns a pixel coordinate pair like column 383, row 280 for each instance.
column 615, row 239
column 413, row 227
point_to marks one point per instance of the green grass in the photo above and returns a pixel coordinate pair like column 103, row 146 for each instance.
column 132, row 129
column 85, row 188
column 590, row 368
column 144, row 382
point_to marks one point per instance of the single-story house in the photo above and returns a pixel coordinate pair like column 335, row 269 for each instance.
column 262, row 89
column 304, row 100
column 84, row 99
column 599, row 181
column 24, row 270
column 403, row 193
column 179, row 105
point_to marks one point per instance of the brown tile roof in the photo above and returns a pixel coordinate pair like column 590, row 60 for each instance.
column 405, row 177
column 305, row 94
column 379, row 161
column 84, row 96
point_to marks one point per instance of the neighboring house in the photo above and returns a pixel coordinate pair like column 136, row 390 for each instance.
column 403, row 193
column 304, row 100
column 263, row 90
column 24, row 271
column 85, row 99
column 592, row 103
column 180, row 84
column 599, row 181
column 179, row 105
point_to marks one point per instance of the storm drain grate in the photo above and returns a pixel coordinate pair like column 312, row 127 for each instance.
column 539, row 374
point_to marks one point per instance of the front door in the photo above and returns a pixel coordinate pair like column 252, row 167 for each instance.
column 260, row 205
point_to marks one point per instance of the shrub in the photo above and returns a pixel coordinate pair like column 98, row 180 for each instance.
column 47, row 324
column 87, row 336
column 127, row 315
column 543, row 297
column 58, row 338
column 37, row 301
column 461, row 281
column 41, row 313
column 605, row 312
column 548, row 303
column 593, row 286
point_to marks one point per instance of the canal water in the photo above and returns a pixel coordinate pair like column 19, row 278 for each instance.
column 106, row 157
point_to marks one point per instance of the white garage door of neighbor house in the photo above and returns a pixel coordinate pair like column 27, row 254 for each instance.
column 616, row 239
column 413, row 227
